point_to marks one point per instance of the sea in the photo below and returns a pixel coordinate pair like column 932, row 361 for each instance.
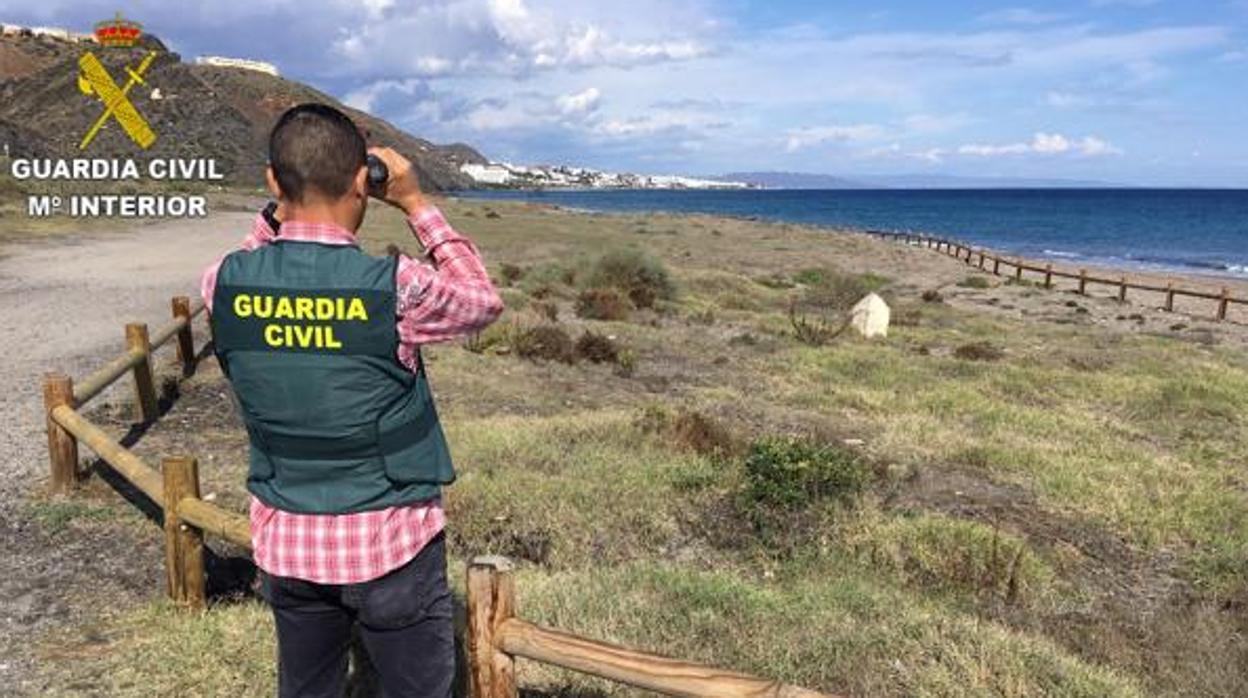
column 1175, row 230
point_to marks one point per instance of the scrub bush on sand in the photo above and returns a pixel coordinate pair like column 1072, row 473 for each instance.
column 597, row 348
column 787, row 472
column 642, row 278
column 548, row 342
column 602, row 304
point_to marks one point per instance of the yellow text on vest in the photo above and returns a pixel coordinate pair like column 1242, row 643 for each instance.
column 298, row 308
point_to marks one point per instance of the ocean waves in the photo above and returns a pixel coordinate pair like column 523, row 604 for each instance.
column 1175, row 230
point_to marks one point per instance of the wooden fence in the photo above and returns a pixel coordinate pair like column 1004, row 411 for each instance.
column 495, row 636
column 982, row 259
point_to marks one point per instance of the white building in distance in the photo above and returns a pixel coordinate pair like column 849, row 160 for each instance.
column 49, row 32
column 243, row 63
column 486, row 174
column 53, row 32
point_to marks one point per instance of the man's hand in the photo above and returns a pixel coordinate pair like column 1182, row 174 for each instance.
column 402, row 190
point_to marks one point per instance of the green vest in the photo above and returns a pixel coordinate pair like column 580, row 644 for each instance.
column 306, row 334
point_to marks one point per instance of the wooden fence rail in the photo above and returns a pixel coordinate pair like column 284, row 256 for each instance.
column 967, row 253
column 495, row 635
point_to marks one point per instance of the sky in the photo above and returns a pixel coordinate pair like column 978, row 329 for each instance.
column 1145, row 92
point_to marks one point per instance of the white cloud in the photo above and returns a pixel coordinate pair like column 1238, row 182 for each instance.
column 660, row 121
column 376, row 9
column 798, row 139
column 1067, row 100
column 508, row 37
column 1094, row 146
column 1043, row 144
column 365, row 98
column 579, row 103
column 532, row 110
column 927, row 124
column 1020, row 15
column 914, row 125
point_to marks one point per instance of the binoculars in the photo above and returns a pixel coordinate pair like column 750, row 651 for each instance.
column 378, row 173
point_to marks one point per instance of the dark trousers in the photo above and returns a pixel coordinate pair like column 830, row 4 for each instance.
column 404, row 620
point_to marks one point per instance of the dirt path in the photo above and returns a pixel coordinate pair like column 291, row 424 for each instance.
column 63, row 305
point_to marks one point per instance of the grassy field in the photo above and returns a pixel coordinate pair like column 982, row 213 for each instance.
column 1017, row 493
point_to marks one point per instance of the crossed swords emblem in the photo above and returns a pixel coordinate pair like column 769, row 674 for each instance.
column 94, row 79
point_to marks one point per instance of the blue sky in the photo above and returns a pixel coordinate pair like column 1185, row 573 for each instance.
column 1131, row 91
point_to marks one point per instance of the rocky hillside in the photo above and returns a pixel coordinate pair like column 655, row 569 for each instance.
column 196, row 110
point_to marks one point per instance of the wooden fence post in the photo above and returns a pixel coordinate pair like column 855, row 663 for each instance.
column 1083, row 282
column 981, row 260
column 1170, row 297
column 491, row 602
column 144, row 383
column 1018, row 270
column 996, row 265
column 1223, row 303
column 184, row 544
column 58, row 390
column 1048, row 276
column 186, row 338
column 1122, row 290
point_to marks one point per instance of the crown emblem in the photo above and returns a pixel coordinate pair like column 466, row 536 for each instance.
column 118, row 32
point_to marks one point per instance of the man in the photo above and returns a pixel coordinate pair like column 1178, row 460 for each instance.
column 321, row 344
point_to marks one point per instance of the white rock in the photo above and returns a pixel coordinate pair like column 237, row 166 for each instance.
column 871, row 316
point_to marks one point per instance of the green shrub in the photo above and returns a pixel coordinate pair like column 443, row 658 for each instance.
column 642, row 296
column 815, row 330
column 975, row 281
column 938, row 552
column 546, row 309
column 775, row 281
column 688, row 429
column 548, row 276
column 642, row 277
column 510, row 273
column 787, row 472
column 979, row 351
column 597, row 348
column 602, row 304
column 513, row 298
column 549, row 342
column 837, row 291
column 810, row 276
column 495, row 336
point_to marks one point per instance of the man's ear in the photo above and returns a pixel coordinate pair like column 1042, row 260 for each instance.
column 270, row 180
column 361, row 183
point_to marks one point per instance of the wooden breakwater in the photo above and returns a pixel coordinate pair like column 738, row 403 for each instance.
column 1019, row 269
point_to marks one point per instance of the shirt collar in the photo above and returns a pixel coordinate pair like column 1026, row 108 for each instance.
column 323, row 233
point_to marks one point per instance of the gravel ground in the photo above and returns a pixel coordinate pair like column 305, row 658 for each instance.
column 63, row 305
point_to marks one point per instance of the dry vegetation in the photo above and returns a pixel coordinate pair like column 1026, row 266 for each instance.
column 1006, row 497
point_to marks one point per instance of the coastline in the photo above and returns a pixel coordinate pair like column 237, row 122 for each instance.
column 1125, row 236
column 1196, row 309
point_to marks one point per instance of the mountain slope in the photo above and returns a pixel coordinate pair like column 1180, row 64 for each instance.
column 198, row 111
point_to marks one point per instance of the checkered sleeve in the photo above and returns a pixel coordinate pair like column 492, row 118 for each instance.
column 451, row 294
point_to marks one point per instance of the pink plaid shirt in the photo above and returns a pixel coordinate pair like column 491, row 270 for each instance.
column 447, row 298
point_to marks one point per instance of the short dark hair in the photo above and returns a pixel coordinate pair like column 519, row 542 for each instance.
column 315, row 147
